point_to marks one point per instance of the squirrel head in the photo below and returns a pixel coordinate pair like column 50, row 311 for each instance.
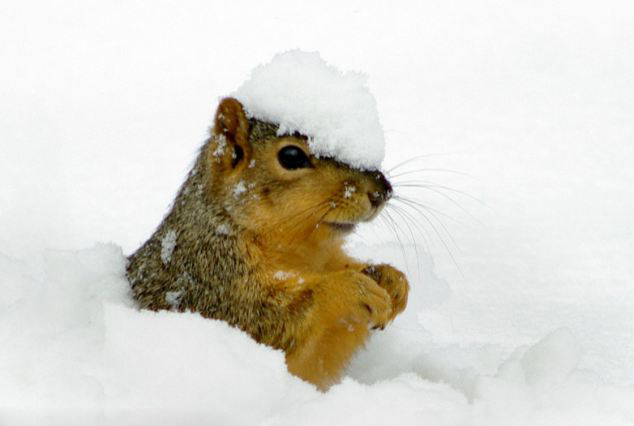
column 276, row 188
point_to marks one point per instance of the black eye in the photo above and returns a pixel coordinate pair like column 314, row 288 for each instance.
column 292, row 157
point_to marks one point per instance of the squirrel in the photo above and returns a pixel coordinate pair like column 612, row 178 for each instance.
column 254, row 237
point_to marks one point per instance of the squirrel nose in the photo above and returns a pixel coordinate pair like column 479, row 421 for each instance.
column 382, row 193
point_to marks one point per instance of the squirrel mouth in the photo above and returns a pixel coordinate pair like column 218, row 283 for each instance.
column 342, row 226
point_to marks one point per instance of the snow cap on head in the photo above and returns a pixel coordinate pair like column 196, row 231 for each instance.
column 301, row 93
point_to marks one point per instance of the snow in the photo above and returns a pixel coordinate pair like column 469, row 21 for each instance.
column 283, row 275
column 222, row 144
column 223, row 229
column 239, row 189
column 173, row 298
column 348, row 190
column 525, row 316
column 168, row 242
column 82, row 353
column 302, row 93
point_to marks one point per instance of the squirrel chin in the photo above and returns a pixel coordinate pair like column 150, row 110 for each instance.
column 343, row 227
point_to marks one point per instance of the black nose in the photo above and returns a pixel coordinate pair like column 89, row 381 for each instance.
column 382, row 193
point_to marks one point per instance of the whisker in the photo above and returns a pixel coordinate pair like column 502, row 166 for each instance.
column 420, row 229
column 396, row 210
column 436, row 231
column 409, row 160
column 394, row 228
column 410, row 211
column 290, row 223
column 291, row 228
column 429, row 185
column 427, row 207
column 417, row 206
column 309, row 209
column 328, row 209
column 410, row 172
column 452, row 201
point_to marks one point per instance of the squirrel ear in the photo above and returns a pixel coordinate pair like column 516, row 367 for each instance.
column 232, row 123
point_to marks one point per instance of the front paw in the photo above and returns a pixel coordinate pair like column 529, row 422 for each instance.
column 393, row 281
column 357, row 298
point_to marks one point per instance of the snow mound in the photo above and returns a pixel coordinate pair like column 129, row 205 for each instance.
column 301, row 93
column 76, row 351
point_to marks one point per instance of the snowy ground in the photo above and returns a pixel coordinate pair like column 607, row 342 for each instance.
column 527, row 321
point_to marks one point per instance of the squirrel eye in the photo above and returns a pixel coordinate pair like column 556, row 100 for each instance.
column 292, row 157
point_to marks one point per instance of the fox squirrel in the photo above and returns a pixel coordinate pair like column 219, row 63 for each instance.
column 254, row 238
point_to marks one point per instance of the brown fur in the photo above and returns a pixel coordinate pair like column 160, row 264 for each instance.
column 259, row 246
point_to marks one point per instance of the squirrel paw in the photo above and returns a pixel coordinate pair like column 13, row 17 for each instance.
column 367, row 301
column 394, row 282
